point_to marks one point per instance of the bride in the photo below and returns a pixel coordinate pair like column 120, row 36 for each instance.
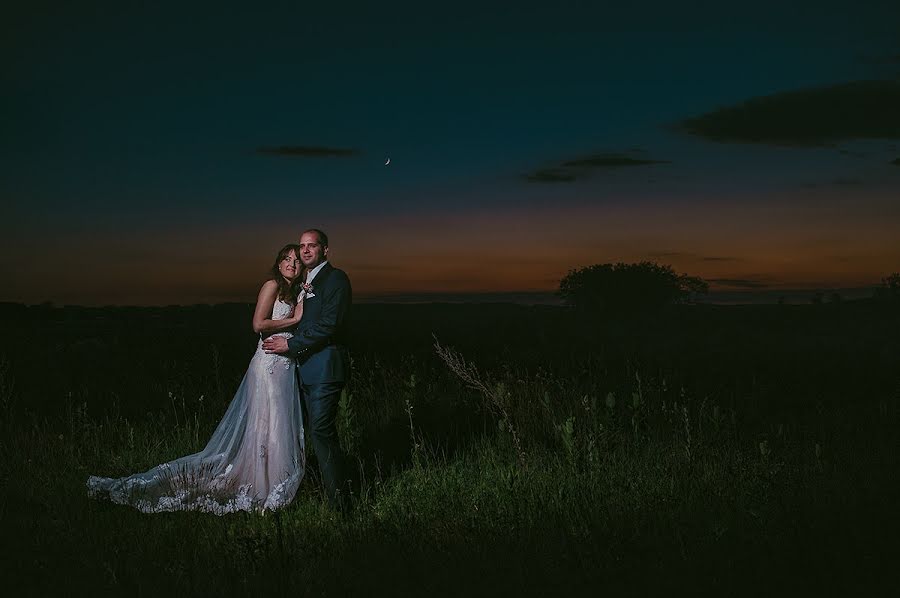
column 255, row 458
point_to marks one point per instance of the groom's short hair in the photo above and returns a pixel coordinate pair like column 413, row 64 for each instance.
column 323, row 238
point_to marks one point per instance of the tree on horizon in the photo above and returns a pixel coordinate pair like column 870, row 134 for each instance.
column 629, row 288
column 890, row 287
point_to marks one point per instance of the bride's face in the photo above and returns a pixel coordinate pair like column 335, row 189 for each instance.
column 289, row 266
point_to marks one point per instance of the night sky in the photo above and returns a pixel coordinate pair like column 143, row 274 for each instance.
column 157, row 154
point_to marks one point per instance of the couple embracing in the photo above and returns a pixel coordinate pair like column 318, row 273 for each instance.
column 256, row 457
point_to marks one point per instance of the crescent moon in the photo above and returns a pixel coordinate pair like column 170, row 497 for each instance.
column 387, row 162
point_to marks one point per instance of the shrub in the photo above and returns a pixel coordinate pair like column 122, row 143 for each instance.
column 628, row 287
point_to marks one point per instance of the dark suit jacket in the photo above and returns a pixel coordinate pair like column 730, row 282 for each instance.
column 320, row 341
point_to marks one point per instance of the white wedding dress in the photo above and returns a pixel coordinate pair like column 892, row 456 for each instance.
column 253, row 462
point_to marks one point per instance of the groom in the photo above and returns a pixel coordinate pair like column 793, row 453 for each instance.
column 320, row 346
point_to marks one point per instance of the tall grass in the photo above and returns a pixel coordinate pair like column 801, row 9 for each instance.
column 471, row 479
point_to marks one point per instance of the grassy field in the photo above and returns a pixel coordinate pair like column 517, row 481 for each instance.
column 728, row 450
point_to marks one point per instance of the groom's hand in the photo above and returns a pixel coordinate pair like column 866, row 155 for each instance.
column 275, row 344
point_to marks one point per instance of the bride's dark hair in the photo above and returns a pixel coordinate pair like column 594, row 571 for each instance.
column 288, row 291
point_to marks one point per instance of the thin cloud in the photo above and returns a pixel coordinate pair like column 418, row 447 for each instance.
column 806, row 117
column 578, row 168
column 846, row 152
column 551, row 175
column 691, row 256
column 609, row 161
column 847, row 182
column 308, row 151
column 739, row 283
column 720, row 258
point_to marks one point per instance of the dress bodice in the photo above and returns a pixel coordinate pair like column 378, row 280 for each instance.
column 281, row 310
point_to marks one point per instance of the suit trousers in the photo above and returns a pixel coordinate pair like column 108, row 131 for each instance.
column 321, row 401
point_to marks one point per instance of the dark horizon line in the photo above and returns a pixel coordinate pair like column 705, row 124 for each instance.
column 717, row 297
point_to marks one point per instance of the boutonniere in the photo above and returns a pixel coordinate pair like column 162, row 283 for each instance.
column 309, row 289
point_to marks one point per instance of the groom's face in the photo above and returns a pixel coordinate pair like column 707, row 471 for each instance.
column 311, row 251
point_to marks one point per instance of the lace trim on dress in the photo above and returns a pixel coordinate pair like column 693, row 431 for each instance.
column 123, row 490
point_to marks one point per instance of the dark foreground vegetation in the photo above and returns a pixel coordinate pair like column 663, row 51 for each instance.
column 727, row 450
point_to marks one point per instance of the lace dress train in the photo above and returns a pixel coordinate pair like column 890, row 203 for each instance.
column 254, row 460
